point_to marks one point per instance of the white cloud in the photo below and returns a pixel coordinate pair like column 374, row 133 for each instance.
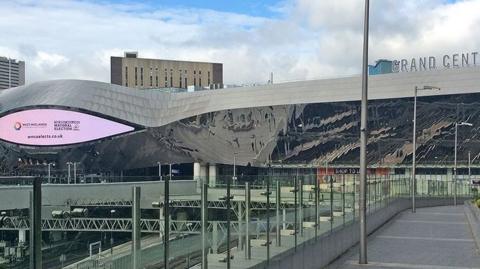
column 310, row 39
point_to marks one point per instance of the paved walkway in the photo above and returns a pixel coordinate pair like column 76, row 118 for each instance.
column 436, row 237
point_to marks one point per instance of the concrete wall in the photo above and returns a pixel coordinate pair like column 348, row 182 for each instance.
column 329, row 246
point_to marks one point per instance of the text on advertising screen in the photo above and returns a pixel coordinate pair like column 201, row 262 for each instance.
column 55, row 127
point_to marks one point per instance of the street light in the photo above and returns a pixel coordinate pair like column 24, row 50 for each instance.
column 234, row 178
column 363, row 141
column 414, row 181
column 68, row 177
column 48, row 165
column 75, row 172
column 159, row 170
column 455, row 165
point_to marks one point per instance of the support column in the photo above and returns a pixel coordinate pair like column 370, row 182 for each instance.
column 22, row 236
column 204, row 173
column 136, row 240
column 204, row 216
column 196, row 175
column 212, row 175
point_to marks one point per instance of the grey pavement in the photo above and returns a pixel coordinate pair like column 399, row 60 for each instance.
column 436, row 237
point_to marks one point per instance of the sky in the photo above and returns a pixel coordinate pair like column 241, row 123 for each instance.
column 294, row 39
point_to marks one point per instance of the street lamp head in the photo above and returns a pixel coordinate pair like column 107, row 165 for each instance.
column 465, row 124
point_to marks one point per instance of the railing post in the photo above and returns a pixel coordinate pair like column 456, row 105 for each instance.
column 248, row 253
column 277, row 206
column 36, row 227
column 331, row 204
column 295, row 222
column 354, row 197
column 136, row 229
column 166, row 236
column 204, row 217
column 300, row 198
column 317, row 214
column 268, row 219
column 343, row 198
column 228, row 222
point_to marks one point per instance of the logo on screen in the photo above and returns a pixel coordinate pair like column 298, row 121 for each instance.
column 17, row 126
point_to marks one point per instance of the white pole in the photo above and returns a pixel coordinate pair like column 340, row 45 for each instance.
column 159, row 170
column 414, row 181
column 68, row 178
column 455, row 168
column 363, row 140
column 74, row 172
column 469, row 168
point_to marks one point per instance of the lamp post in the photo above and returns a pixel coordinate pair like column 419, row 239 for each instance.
column 48, row 168
column 469, row 168
column 75, row 171
column 363, row 140
column 159, row 170
column 234, row 178
column 455, row 165
column 68, row 177
column 414, row 140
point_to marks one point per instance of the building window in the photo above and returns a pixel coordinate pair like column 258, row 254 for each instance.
column 156, row 81
column 166, row 85
column 208, row 78
column 141, row 76
column 180, row 82
column 194, row 81
column 151, row 81
column 186, row 84
column 194, row 72
column 200, row 72
column 171, row 78
column 136, row 80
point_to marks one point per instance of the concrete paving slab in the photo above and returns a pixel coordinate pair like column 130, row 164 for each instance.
column 436, row 237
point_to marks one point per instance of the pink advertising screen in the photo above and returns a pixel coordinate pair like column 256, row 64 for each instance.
column 55, row 127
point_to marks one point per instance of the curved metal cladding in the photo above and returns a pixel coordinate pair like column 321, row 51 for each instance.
column 300, row 122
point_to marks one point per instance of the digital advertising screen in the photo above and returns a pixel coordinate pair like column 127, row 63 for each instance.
column 56, row 127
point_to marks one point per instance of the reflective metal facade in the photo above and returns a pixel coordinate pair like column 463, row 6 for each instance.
column 299, row 122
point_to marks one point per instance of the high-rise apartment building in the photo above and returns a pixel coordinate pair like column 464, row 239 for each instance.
column 12, row 73
column 141, row 73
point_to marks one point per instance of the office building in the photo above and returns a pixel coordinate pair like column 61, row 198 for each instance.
column 12, row 73
column 141, row 73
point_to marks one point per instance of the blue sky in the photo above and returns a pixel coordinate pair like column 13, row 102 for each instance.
column 260, row 8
